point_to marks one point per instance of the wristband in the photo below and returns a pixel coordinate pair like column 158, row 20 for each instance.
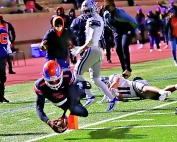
column 67, row 113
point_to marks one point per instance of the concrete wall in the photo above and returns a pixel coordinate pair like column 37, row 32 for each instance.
column 31, row 27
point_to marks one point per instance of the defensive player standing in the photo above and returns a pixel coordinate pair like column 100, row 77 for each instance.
column 93, row 55
column 60, row 87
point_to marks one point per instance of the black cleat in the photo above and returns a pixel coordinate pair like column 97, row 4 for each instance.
column 109, row 61
column 12, row 72
column 4, row 100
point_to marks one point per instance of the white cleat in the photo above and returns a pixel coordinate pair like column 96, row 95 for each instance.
column 164, row 95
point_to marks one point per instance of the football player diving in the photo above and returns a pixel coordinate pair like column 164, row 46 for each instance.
column 123, row 88
column 57, row 42
column 60, row 87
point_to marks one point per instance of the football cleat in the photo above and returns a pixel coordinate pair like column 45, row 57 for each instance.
column 112, row 104
column 89, row 101
column 164, row 95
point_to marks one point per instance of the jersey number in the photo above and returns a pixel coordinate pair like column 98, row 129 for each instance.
column 124, row 90
column 95, row 23
column 4, row 38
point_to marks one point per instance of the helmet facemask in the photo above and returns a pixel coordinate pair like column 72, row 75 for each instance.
column 88, row 9
column 54, row 82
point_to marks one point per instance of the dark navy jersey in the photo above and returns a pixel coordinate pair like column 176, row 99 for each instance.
column 54, row 96
column 58, row 97
column 57, row 46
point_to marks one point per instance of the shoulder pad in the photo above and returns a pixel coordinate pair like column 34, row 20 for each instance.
column 37, row 86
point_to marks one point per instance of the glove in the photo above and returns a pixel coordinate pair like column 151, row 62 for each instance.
column 114, row 91
column 59, row 126
column 74, row 50
column 43, row 47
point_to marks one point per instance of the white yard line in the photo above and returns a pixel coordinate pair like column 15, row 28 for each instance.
column 24, row 119
column 157, row 113
column 51, row 113
column 125, row 127
column 103, row 121
column 133, row 120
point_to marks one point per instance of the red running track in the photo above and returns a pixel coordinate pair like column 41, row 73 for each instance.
column 32, row 70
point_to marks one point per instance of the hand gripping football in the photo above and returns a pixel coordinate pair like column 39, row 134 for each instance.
column 61, row 125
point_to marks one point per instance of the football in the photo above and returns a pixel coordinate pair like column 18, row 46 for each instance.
column 61, row 124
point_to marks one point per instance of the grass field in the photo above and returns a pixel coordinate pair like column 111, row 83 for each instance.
column 133, row 120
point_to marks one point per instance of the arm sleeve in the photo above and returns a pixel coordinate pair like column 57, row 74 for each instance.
column 122, row 16
column 73, row 27
column 12, row 30
column 47, row 35
column 40, row 101
column 89, row 32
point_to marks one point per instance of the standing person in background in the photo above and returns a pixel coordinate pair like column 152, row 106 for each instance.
column 77, row 30
column 60, row 12
column 3, row 55
column 164, row 18
column 56, row 42
column 153, row 28
column 124, row 28
column 131, row 3
column 157, row 12
column 171, row 29
column 108, row 37
column 140, row 18
column 171, row 5
column 10, row 29
column 72, row 16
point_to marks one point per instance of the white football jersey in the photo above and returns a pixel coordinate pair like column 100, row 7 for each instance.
column 125, row 87
column 95, row 23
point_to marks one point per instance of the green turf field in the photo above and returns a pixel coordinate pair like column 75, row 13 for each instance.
column 134, row 120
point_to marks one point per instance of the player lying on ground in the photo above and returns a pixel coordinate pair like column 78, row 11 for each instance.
column 139, row 87
column 61, row 88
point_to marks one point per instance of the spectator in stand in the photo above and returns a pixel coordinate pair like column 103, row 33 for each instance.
column 77, row 3
column 10, row 29
column 72, row 16
column 60, row 12
column 164, row 18
column 171, row 5
column 34, row 6
column 171, row 29
column 140, row 18
column 153, row 28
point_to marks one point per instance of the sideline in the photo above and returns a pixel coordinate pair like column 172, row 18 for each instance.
column 103, row 121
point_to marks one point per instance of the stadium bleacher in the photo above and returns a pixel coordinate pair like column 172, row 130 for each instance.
column 23, row 41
